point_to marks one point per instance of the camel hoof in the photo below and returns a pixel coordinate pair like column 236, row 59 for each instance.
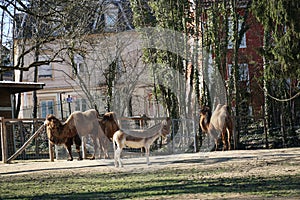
column 80, row 158
column 70, row 159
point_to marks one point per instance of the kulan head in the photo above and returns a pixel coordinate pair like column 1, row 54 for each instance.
column 166, row 125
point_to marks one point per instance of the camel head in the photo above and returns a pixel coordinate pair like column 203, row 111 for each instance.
column 53, row 126
column 109, row 124
column 205, row 115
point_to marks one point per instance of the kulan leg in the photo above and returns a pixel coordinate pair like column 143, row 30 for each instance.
column 115, row 154
column 118, row 156
column 147, row 155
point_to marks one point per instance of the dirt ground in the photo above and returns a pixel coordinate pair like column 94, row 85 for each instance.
column 277, row 161
column 270, row 163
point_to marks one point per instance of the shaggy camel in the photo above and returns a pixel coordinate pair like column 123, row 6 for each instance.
column 87, row 124
column 109, row 124
column 84, row 124
column 218, row 123
column 124, row 138
column 62, row 133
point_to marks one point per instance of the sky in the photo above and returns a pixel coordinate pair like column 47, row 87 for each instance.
column 7, row 22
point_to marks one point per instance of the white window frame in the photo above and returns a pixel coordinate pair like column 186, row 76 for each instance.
column 230, row 35
column 111, row 17
column 79, row 62
column 244, row 71
column 46, row 107
column 45, row 71
column 81, row 105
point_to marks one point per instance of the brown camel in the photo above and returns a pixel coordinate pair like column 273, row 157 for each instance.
column 109, row 124
column 84, row 124
column 218, row 123
column 62, row 133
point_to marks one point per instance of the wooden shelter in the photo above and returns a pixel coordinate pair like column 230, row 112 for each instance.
column 7, row 91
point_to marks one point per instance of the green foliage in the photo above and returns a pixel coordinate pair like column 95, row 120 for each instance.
column 281, row 19
column 143, row 15
column 172, row 15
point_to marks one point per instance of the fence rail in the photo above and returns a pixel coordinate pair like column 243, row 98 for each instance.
column 17, row 132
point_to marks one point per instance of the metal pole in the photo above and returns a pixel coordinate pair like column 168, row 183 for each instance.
column 3, row 140
column 69, row 102
column 61, row 105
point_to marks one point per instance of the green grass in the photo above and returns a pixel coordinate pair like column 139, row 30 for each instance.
column 171, row 183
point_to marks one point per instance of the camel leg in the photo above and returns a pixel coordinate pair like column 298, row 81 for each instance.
column 103, row 144
column 96, row 147
column 51, row 152
column 84, row 151
column 216, row 144
column 68, row 145
column 105, row 147
column 229, row 132
column 223, row 135
column 78, row 144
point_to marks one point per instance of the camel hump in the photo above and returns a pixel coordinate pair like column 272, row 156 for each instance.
column 50, row 117
column 226, row 107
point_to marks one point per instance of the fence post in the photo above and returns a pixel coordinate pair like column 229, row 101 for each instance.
column 196, row 149
column 3, row 140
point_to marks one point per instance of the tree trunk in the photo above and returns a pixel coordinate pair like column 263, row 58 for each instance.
column 266, row 99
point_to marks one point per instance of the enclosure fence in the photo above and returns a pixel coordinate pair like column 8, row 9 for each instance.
column 16, row 133
column 184, row 136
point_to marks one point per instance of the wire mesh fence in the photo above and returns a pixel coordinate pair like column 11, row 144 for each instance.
column 184, row 137
column 17, row 131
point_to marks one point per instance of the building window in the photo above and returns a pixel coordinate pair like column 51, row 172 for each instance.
column 111, row 17
column 47, row 107
column 81, row 105
column 79, row 64
column 45, row 71
column 243, row 70
column 230, row 35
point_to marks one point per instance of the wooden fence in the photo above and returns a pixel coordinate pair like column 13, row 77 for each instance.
column 17, row 134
